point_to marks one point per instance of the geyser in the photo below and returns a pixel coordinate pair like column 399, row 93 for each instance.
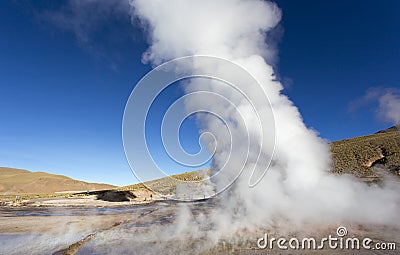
column 298, row 187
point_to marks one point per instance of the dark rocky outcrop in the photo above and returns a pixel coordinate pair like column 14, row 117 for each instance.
column 115, row 195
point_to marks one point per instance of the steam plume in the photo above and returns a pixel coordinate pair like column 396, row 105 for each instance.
column 297, row 187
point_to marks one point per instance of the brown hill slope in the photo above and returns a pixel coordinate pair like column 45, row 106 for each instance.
column 17, row 181
column 355, row 156
column 358, row 155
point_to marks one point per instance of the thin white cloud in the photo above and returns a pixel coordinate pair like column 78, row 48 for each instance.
column 93, row 24
column 387, row 101
column 389, row 107
column 85, row 17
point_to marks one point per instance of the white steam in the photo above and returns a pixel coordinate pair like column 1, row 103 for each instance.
column 298, row 187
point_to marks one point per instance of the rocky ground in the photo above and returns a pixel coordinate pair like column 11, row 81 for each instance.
column 152, row 229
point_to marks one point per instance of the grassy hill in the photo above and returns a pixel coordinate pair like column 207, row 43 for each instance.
column 17, row 181
column 167, row 185
column 358, row 155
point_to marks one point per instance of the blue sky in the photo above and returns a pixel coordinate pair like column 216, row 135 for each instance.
column 62, row 94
